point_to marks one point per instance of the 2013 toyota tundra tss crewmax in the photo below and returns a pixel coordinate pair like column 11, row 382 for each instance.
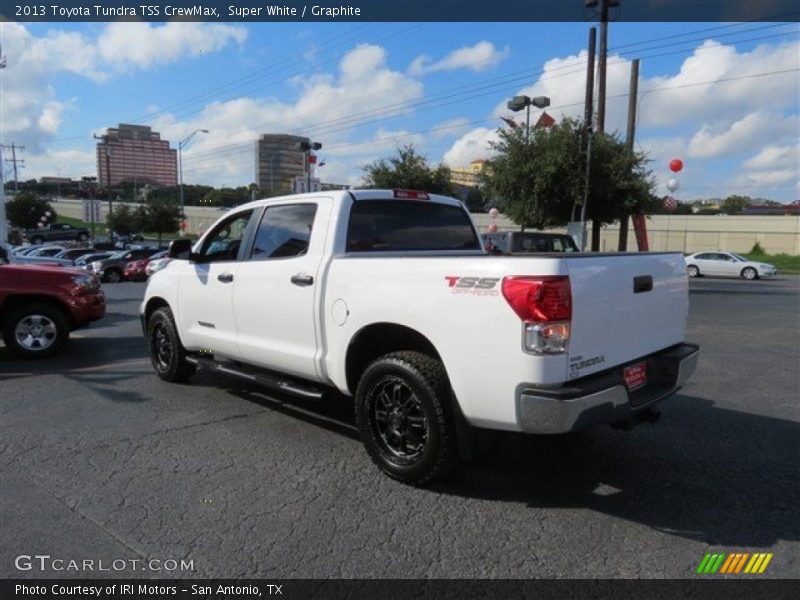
column 389, row 297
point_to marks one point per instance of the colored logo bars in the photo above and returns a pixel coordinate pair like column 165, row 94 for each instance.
column 734, row 563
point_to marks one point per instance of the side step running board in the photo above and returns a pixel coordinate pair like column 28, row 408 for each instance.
column 265, row 380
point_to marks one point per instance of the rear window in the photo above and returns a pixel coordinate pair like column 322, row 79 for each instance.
column 543, row 243
column 401, row 225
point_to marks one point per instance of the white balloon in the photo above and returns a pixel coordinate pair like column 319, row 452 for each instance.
column 673, row 184
column 493, row 212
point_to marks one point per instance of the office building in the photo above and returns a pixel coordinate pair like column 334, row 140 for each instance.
column 278, row 161
column 137, row 154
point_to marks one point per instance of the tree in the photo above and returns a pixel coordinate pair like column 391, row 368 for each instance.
column 27, row 209
column 124, row 220
column 407, row 170
column 160, row 216
column 540, row 183
column 734, row 204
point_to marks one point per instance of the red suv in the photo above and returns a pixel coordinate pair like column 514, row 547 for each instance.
column 40, row 305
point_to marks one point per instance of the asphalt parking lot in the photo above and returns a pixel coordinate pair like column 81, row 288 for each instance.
column 102, row 460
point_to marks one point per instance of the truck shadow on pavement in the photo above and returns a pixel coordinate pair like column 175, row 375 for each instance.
column 704, row 472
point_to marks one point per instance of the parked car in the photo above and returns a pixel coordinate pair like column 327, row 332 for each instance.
column 526, row 242
column 389, row 296
column 74, row 253
column 39, row 255
column 43, row 251
column 154, row 266
column 727, row 264
column 136, row 270
column 112, row 269
column 85, row 260
column 57, row 231
column 40, row 305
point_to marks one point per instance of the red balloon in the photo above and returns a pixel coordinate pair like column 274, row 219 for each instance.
column 675, row 165
column 492, row 228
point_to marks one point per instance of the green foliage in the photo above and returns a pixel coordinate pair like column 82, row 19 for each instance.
column 125, row 220
column 27, row 209
column 757, row 249
column 734, row 204
column 159, row 216
column 475, row 201
column 227, row 196
column 407, row 170
column 540, row 183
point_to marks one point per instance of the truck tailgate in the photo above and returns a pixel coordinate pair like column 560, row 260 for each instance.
column 625, row 306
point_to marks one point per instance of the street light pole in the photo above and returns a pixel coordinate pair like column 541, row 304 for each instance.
column 183, row 143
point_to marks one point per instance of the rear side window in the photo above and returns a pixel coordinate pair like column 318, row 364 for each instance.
column 403, row 225
column 284, row 231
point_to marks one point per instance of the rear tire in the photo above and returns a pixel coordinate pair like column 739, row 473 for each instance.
column 693, row 271
column 749, row 273
column 167, row 354
column 403, row 408
column 35, row 330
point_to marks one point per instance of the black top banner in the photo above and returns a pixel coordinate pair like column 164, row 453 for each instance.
column 398, row 10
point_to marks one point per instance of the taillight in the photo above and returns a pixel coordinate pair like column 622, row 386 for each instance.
column 544, row 304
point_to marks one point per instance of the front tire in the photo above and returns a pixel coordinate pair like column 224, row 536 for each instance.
column 167, row 354
column 403, row 408
column 113, row 276
column 37, row 330
column 749, row 273
column 693, row 271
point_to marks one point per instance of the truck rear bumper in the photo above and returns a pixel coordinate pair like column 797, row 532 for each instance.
column 603, row 397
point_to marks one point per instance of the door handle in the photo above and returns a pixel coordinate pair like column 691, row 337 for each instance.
column 225, row 277
column 300, row 279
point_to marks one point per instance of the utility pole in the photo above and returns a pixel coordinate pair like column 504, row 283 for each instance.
column 15, row 162
column 632, row 99
column 588, row 112
column 601, row 67
column 601, row 87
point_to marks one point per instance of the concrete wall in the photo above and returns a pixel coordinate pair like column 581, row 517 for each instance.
column 693, row 233
column 684, row 233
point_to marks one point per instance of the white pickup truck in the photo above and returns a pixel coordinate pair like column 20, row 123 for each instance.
column 388, row 296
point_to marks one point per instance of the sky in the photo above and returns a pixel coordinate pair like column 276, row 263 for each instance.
column 722, row 97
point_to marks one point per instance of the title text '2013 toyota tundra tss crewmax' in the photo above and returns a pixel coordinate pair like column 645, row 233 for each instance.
column 389, row 296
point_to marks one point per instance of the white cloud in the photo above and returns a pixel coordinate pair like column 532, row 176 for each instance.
column 775, row 157
column 125, row 46
column 479, row 57
column 751, row 131
column 471, row 146
column 321, row 110
column 770, row 178
column 31, row 111
column 719, row 114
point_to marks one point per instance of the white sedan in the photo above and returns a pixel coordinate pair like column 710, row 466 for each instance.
column 727, row 264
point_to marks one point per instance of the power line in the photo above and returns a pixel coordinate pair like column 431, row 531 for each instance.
column 561, row 106
column 436, row 101
column 279, row 67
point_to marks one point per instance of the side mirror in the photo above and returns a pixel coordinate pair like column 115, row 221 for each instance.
column 181, row 249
